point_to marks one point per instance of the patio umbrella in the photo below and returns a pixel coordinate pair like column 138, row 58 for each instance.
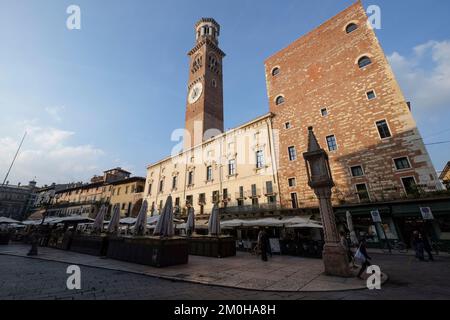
column 113, row 226
column 141, row 221
column 214, row 222
column 164, row 227
column 98, row 223
column 353, row 237
column 190, row 223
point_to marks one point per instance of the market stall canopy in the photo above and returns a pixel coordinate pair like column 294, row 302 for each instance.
column 300, row 222
column 305, row 225
column 128, row 220
column 4, row 220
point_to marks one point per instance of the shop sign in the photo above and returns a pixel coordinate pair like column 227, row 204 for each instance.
column 376, row 217
column 426, row 213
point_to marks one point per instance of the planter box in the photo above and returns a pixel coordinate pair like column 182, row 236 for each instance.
column 4, row 238
column 215, row 247
column 151, row 251
column 94, row 245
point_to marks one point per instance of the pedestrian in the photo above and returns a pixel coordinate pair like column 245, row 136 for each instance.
column 262, row 243
column 363, row 257
column 418, row 245
column 34, row 239
column 268, row 246
column 345, row 244
column 427, row 247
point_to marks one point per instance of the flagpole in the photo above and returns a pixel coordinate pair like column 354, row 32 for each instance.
column 14, row 159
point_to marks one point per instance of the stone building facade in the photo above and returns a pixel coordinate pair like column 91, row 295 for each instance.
column 86, row 199
column 234, row 169
column 16, row 200
column 338, row 80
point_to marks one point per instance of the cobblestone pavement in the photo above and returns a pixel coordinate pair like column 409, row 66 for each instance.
column 22, row 278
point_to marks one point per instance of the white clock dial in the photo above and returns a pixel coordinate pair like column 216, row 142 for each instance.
column 195, row 93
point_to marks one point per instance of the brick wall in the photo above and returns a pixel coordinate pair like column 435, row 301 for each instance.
column 320, row 70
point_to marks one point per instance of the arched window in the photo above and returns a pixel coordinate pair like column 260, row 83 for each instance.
column 351, row 27
column 279, row 100
column 364, row 61
column 275, row 71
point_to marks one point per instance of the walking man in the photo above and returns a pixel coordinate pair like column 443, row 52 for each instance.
column 365, row 257
column 262, row 243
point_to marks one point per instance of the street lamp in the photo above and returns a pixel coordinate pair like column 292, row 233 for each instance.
column 335, row 257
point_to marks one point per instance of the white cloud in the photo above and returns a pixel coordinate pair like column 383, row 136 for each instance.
column 424, row 75
column 48, row 155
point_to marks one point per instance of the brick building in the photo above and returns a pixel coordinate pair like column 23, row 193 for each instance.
column 338, row 80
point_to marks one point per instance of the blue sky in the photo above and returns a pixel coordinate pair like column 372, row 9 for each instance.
column 111, row 93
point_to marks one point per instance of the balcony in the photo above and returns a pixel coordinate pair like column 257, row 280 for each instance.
column 255, row 193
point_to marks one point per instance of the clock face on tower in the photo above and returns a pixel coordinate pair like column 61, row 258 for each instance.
column 195, row 93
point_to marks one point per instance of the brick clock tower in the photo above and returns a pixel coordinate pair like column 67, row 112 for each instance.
column 204, row 109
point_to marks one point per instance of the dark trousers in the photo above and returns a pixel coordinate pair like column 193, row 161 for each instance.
column 430, row 255
column 364, row 267
column 264, row 254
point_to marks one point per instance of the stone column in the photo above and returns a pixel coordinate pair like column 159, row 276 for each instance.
column 335, row 257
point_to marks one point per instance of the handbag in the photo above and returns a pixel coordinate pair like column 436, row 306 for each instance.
column 359, row 257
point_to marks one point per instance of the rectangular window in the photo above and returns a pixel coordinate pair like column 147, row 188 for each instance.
column 160, row 205
column 363, row 193
column 123, row 206
column 232, row 167
column 161, row 186
column 269, row 187
column 174, row 182
column 324, row 112
column 209, row 173
column 292, row 182
column 371, row 95
column 241, row 192
column 190, row 178
column 259, row 159
column 202, row 199
column 292, row 154
column 240, row 202
column 254, row 190
column 331, row 142
column 189, row 200
column 149, row 189
column 215, row 196
column 126, row 189
column 118, row 191
column 255, row 201
column 402, row 163
column 294, row 200
column 177, row 202
column 225, row 194
column 357, row 171
column 410, row 185
column 383, row 129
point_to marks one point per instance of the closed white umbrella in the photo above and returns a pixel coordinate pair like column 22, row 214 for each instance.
column 214, row 222
column 164, row 227
column 113, row 226
column 353, row 236
column 190, row 223
column 98, row 223
column 141, row 222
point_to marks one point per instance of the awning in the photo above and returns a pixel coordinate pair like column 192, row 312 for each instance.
column 4, row 220
column 301, row 222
